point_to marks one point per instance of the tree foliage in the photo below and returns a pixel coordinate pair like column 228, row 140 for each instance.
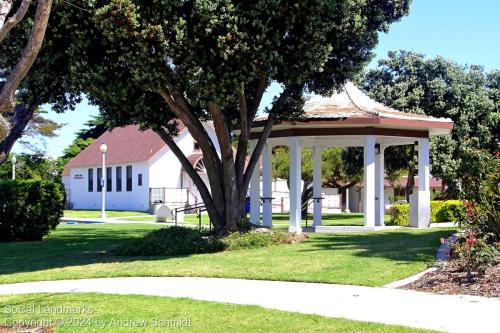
column 31, row 166
column 26, row 84
column 438, row 87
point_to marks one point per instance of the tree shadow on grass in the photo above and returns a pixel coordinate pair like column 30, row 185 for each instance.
column 399, row 245
column 71, row 246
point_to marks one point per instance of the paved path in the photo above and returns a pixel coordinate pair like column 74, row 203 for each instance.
column 383, row 305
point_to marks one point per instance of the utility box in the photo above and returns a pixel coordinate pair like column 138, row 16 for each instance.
column 163, row 213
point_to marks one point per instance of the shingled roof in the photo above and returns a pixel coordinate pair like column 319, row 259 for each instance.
column 125, row 145
column 351, row 102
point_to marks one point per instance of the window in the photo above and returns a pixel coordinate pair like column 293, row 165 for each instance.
column 91, row 180
column 139, row 179
column 99, row 179
column 129, row 178
column 118, row 179
column 109, row 179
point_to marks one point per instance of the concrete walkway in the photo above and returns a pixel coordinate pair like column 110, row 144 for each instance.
column 389, row 306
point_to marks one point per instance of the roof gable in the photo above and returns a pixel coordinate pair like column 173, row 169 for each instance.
column 125, row 145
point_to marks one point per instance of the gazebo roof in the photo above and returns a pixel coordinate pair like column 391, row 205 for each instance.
column 352, row 108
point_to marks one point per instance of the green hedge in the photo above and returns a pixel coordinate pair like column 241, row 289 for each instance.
column 29, row 209
column 170, row 241
column 441, row 211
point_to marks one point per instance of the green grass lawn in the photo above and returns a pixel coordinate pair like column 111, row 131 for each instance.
column 203, row 316
column 279, row 220
column 97, row 213
column 85, row 251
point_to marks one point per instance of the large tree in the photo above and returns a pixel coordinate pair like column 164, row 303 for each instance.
column 150, row 62
column 438, row 87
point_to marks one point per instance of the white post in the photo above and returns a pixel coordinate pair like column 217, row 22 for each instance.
column 103, row 187
column 295, row 183
column 379, row 187
column 346, row 210
column 369, row 180
column 420, row 201
column 267, row 191
column 255, row 190
column 317, row 202
column 14, row 161
column 423, row 164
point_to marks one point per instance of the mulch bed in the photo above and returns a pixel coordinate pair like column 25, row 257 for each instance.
column 448, row 279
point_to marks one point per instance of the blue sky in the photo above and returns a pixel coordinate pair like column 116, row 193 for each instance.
column 465, row 31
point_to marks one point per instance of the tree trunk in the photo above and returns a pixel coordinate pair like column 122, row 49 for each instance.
column 307, row 192
column 410, row 183
column 228, row 178
column 20, row 119
column 10, row 85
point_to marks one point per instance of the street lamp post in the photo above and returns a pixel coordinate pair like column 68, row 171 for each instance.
column 104, row 149
column 14, row 161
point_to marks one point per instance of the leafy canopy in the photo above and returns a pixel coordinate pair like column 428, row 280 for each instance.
column 438, row 87
column 205, row 50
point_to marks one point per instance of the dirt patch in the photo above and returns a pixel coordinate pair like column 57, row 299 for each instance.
column 25, row 329
column 448, row 279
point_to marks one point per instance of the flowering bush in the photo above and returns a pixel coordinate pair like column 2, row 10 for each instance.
column 474, row 254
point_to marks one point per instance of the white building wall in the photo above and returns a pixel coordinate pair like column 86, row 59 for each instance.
column 165, row 168
column 161, row 171
column 137, row 199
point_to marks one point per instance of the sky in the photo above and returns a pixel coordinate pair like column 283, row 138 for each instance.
column 467, row 32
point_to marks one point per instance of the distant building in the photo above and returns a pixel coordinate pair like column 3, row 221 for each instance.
column 393, row 191
column 140, row 170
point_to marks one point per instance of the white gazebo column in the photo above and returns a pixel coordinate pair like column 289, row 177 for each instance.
column 420, row 201
column 379, row 187
column 369, row 180
column 255, row 190
column 267, row 192
column 317, row 200
column 295, row 184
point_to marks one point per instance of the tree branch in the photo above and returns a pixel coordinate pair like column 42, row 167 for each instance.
column 241, row 151
column 199, row 133
column 7, row 25
column 27, row 59
column 20, row 119
column 254, row 158
column 252, row 111
column 200, row 184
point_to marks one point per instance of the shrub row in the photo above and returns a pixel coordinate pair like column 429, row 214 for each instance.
column 29, row 209
column 183, row 241
column 170, row 241
column 260, row 238
column 441, row 211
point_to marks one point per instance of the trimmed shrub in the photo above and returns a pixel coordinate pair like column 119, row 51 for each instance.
column 183, row 241
column 29, row 209
column 441, row 211
column 449, row 211
column 400, row 215
column 170, row 241
column 260, row 238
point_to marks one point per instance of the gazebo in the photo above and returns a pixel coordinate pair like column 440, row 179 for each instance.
column 348, row 118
